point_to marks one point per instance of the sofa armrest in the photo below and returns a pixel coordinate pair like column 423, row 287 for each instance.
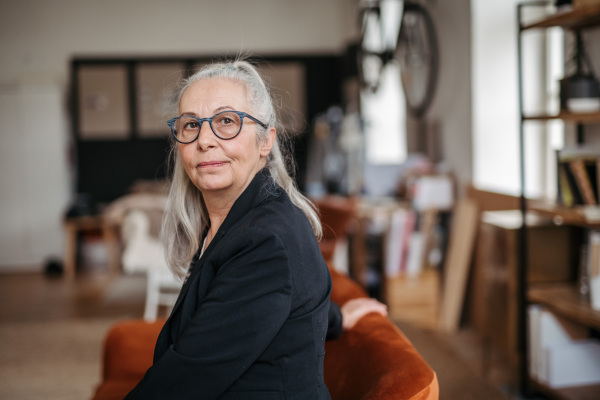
column 374, row 360
column 129, row 348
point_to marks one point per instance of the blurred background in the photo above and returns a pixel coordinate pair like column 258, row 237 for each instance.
column 47, row 43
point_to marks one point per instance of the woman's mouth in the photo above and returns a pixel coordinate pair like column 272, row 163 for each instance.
column 210, row 164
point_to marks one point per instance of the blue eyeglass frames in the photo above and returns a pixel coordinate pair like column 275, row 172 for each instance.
column 226, row 125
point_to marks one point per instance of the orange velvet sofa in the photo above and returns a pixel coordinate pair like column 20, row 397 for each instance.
column 372, row 361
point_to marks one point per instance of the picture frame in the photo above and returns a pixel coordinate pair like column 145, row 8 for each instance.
column 103, row 102
column 156, row 85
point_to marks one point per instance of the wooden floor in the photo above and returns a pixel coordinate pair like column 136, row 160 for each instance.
column 35, row 297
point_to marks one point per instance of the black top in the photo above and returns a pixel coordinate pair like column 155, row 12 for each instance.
column 251, row 319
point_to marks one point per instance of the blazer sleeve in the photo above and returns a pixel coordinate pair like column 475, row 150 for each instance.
column 246, row 304
column 335, row 320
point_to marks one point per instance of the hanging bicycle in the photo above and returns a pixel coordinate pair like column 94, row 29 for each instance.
column 402, row 32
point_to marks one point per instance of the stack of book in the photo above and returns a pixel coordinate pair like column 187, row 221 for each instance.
column 403, row 240
column 578, row 177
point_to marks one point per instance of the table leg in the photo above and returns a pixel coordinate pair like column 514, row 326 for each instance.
column 70, row 255
column 111, row 241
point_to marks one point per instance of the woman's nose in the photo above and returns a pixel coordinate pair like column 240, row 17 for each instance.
column 206, row 137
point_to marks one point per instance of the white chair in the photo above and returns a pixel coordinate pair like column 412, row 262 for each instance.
column 162, row 289
column 144, row 253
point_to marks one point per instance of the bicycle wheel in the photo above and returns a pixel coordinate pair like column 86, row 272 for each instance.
column 417, row 53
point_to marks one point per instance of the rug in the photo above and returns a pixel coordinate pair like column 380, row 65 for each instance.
column 51, row 360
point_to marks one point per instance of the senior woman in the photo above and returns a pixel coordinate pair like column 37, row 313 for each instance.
column 251, row 319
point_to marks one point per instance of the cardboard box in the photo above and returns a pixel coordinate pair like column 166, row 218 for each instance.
column 414, row 299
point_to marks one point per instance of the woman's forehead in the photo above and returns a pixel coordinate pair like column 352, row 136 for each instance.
column 213, row 92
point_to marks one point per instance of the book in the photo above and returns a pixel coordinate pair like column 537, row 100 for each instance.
column 402, row 225
column 414, row 261
column 395, row 243
column 593, row 269
column 534, row 311
column 565, row 194
column 571, row 185
column 584, row 183
column 578, row 176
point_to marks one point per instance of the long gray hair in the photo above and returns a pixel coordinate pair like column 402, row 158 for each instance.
column 186, row 217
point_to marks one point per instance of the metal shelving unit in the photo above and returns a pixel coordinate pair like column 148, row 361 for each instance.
column 560, row 298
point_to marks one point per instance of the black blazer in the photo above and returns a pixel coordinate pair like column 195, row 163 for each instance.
column 251, row 319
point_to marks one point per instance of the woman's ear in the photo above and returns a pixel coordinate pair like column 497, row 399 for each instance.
column 267, row 145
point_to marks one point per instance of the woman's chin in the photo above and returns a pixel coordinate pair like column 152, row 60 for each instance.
column 211, row 187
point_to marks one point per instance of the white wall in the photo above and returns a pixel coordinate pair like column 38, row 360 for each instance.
column 496, row 117
column 450, row 111
column 496, row 164
column 38, row 39
column 33, row 173
column 495, row 96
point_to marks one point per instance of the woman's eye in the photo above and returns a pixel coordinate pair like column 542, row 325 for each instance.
column 191, row 125
column 224, row 121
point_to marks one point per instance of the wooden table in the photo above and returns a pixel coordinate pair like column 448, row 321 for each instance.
column 75, row 225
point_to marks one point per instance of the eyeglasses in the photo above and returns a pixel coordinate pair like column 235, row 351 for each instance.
column 225, row 125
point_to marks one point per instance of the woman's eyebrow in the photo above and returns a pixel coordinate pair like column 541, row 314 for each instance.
column 216, row 111
column 222, row 108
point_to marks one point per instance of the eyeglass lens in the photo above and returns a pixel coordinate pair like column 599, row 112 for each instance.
column 225, row 125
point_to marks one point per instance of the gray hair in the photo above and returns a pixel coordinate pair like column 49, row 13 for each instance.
column 186, row 217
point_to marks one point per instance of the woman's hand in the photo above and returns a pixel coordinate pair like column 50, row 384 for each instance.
column 353, row 310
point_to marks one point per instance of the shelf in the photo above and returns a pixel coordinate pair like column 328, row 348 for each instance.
column 576, row 18
column 564, row 215
column 582, row 118
column 563, row 299
column 583, row 392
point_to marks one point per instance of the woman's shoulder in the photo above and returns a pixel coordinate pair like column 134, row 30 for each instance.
column 276, row 219
column 276, row 211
